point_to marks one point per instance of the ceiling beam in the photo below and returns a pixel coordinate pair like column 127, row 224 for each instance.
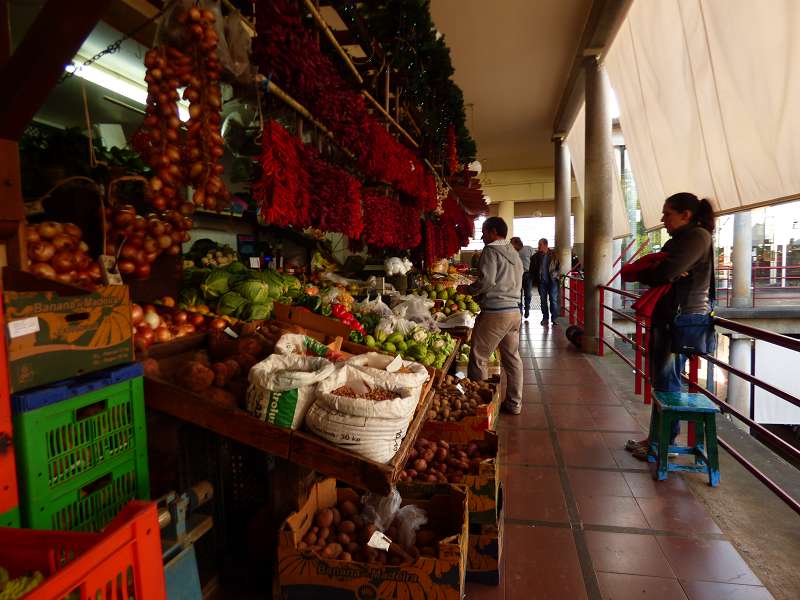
column 605, row 19
column 38, row 62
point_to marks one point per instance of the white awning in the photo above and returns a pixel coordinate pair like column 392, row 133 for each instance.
column 708, row 93
column 576, row 142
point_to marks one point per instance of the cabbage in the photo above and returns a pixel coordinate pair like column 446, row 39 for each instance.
column 237, row 268
column 257, row 312
column 253, row 290
column 216, row 284
column 188, row 297
column 231, row 304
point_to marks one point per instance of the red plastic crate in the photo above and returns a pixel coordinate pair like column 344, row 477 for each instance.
column 122, row 561
column 8, row 470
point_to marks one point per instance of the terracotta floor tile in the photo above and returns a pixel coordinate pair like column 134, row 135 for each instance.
column 532, row 417
column 578, row 394
column 570, row 377
column 643, row 485
column 571, row 416
column 625, row 460
column 610, row 510
column 696, row 559
column 588, row 482
column 561, row 362
column 627, row 553
column 679, row 513
column 616, row 440
column 526, row 447
column 529, row 377
column 613, row 418
column 542, row 563
column 711, row 590
column 531, row 393
column 476, row 591
column 584, row 449
column 534, row 494
column 615, row 586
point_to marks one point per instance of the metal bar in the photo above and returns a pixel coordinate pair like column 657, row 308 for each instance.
column 771, row 485
column 638, row 359
column 600, row 349
column 621, row 314
column 620, row 292
column 648, row 389
column 323, row 26
column 694, row 368
column 618, row 353
column 755, row 381
column 635, row 254
column 760, row 334
column 621, row 335
column 391, row 119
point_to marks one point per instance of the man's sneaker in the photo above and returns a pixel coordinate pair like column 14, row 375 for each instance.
column 632, row 445
column 527, row 313
column 543, row 323
column 510, row 409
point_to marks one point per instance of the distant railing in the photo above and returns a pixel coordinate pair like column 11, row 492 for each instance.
column 640, row 342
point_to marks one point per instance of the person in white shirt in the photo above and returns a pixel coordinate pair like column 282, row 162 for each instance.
column 525, row 254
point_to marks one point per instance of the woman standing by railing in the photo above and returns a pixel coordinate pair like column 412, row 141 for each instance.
column 687, row 266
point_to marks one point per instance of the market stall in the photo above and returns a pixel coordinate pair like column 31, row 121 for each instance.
column 241, row 302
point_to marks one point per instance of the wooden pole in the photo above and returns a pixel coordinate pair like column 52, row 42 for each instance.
column 332, row 39
column 389, row 117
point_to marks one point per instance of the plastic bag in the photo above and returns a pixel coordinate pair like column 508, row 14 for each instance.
column 462, row 318
column 238, row 37
column 390, row 325
column 417, row 309
column 337, row 295
column 374, row 307
column 297, row 343
column 409, row 519
column 380, row 510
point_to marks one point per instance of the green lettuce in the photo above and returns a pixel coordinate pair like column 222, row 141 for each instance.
column 253, row 290
column 231, row 304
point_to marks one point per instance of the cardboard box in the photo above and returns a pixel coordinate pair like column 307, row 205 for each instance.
column 56, row 331
column 303, row 575
column 485, row 553
column 467, row 429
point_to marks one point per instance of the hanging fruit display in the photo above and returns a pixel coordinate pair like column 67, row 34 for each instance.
column 57, row 251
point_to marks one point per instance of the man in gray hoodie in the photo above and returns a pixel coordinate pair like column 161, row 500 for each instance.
column 497, row 325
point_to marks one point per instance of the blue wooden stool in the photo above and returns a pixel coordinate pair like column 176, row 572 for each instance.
column 681, row 406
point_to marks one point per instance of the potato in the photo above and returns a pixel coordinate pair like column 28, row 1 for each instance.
column 324, row 534
column 353, row 548
column 343, row 539
column 332, row 550
column 310, row 538
column 324, row 518
column 347, row 527
column 345, row 556
column 337, row 516
column 420, row 465
column 348, row 508
column 441, row 454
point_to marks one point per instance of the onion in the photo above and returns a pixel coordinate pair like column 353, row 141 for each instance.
column 62, row 261
column 128, row 251
column 150, row 245
column 95, row 272
column 41, row 251
column 180, row 317
column 124, row 218
column 152, row 319
column 63, row 242
column 143, row 271
column 165, row 241
column 83, row 247
column 126, row 266
column 82, row 261
column 31, row 235
column 139, row 223
column 163, row 334
column 42, row 269
column 66, row 277
column 145, row 330
column 73, row 230
column 177, row 237
column 155, row 227
column 218, row 324
column 151, row 258
column 137, row 314
column 49, row 229
column 186, row 208
column 174, row 250
column 159, row 202
column 140, row 342
column 168, row 301
column 187, row 328
column 197, row 319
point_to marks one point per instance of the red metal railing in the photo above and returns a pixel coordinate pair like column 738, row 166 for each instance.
column 768, row 283
column 572, row 298
column 640, row 367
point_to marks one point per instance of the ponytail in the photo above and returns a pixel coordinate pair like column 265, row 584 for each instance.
column 702, row 211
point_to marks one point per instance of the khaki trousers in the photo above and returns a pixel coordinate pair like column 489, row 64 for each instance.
column 495, row 330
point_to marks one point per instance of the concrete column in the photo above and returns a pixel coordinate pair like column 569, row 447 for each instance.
column 580, row 222
column 739, row 389
column 563, row 192
column 616, row 250
column 505, row 210
column 599, row 163
column 741, row 294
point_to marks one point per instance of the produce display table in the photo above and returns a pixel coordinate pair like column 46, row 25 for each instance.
column 299, row 447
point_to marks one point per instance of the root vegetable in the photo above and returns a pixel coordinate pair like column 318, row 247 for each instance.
column 324, row 518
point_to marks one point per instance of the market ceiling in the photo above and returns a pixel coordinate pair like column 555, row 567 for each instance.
column 512, row 59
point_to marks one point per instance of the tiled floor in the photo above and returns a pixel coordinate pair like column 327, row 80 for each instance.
column 584, row 519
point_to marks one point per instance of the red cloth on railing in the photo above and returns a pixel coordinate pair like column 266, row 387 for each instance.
column 645, row 305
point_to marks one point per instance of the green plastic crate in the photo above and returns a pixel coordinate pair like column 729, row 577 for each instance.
column 61, row 446
column 92, row 506
column 10, row 518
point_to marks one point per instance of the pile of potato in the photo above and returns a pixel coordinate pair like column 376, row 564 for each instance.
column 453, row 404
column 440, row 462
column 341, row 533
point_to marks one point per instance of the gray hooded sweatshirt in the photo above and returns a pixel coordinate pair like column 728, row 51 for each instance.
column 500, row 278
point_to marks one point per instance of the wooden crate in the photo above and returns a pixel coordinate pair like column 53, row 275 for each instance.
column 469, row 428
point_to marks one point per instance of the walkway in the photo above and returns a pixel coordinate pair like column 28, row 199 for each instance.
column 583, row 518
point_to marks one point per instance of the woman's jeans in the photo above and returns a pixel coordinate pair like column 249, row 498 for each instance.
column 665, row 367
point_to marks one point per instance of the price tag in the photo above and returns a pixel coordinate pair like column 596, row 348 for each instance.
column 460, row 389
column 255, row 262
column 231, row 332
column 395, row 365
column 23, row 327
column 379, row 541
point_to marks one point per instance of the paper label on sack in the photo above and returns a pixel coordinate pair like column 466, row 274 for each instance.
column 23, row 327
column 379, row 541
column 359, row 386
column 231, row 332
column 255, row 262
column 460, row 389
column 395, row 365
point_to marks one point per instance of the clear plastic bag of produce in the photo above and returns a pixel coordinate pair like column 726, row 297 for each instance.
column 462, row 318
column 393, row 324
column 409, row 519
column 380, row 510
column 376, row 307
column 417, row 309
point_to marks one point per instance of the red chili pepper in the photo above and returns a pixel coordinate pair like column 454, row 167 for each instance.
column 338, row 310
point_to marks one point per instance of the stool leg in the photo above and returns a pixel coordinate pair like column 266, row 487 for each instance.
column 699, row 446
column 653, row 433
column 664, row 431
column 711, row 449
